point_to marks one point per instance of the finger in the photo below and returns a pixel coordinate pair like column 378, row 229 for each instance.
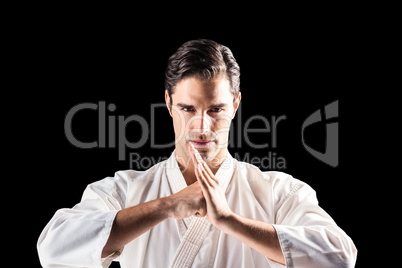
column 206, row 182
column 191, row 150
column 196, row 154
column 209, row 176
column 205, row 187
column 204, row 173
column 201, row 179
column 210, row 173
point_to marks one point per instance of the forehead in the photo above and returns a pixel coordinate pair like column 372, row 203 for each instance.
column 195, row 90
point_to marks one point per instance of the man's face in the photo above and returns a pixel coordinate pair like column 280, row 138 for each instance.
column 202, row 111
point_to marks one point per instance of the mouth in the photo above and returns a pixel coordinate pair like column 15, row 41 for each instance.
column 201, row 143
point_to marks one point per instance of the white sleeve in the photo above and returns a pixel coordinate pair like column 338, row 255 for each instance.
column 307, row 234
column 75, row 237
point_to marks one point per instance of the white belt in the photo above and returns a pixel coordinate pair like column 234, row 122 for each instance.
column 191, row 243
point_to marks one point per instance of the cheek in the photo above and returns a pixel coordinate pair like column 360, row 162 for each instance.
column 222, row 127
column 180, row 123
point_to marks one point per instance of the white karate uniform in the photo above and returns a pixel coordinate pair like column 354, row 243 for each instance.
column 308, row 236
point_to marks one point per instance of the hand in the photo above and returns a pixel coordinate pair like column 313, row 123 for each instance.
column 188, row 202
column 216, row 204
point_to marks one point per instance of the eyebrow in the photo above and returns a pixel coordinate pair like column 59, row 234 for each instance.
column 219, row 105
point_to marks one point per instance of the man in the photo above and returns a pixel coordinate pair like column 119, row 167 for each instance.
column 201, row 207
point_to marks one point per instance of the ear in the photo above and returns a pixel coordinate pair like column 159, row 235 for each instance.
column 168, row 102
column 236, row 104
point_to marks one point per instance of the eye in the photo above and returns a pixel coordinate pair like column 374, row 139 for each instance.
column 215, row 110
column 188, row 109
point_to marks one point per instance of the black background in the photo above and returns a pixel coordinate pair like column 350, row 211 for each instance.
column 289, row 69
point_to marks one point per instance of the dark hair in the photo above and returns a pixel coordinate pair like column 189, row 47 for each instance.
column 204, row 59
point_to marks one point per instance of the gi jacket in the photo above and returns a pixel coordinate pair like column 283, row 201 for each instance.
column 307, row 234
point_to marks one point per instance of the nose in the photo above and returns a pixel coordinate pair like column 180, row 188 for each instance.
column 205, row 124
column 202, row 123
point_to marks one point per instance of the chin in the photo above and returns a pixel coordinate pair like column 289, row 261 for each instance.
column 209, row 154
